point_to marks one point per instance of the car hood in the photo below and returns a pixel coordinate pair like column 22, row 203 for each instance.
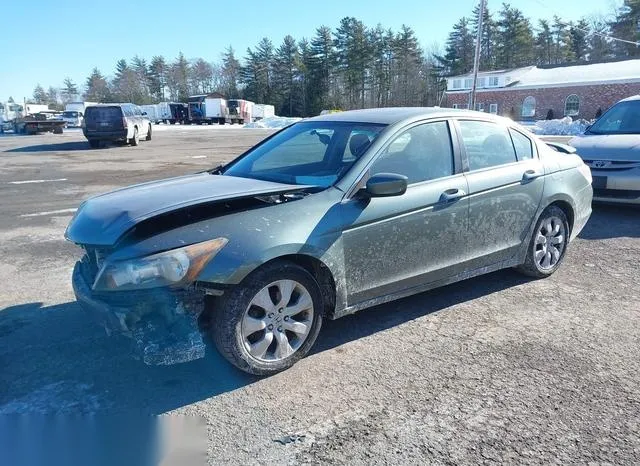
column 607, row 146
column 102, row 220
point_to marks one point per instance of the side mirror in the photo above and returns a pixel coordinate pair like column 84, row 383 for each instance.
column 386, row 185
column 144, row 113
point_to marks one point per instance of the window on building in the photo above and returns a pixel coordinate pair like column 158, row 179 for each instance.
column 529, row 107
column 493, row 108
column 480, row 107
column 572, row 105
column 421, row 153
column 457, row 83
column 523, row 145
column 455, row 105
column 486, row 144
column 467, row 83
column 493, row 81
column 482, row 82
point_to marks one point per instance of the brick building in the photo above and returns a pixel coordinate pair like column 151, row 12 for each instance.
column 533, row 93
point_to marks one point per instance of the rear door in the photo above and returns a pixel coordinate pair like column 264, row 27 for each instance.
column 506, row 180
column 397, row 243
column 103, row 119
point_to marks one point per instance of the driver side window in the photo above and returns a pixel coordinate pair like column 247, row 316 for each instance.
column 421, row 153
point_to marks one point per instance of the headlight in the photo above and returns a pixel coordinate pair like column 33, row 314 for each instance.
column 170, row 268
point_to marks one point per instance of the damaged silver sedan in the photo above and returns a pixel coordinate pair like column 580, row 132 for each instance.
column 329, row 216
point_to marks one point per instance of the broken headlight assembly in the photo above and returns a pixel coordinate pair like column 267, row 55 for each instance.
column 173, row 268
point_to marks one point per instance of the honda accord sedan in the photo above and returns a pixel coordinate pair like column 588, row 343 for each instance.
column 324, row 218
column 611, row 147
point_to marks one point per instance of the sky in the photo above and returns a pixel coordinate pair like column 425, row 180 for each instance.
column 45, row 41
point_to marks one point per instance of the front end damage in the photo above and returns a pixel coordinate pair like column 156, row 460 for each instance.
column 161, row 322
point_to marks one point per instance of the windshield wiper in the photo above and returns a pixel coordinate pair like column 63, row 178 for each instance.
column 216, row 171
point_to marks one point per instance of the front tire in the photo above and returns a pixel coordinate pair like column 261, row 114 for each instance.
column 270, row 321
column 548, row 244
column 94, row 144
column 148, row 138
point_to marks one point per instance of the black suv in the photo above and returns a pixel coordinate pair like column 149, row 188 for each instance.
column 115, row 122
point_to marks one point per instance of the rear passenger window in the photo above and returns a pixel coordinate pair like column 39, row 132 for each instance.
column 523, row 145
column 421, row 153
column 487, row 144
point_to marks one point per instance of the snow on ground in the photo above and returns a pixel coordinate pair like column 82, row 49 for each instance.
column 565, row 126
column 273, row 122
column 163, row 127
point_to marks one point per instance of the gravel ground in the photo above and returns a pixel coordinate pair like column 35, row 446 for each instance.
column 496, row 369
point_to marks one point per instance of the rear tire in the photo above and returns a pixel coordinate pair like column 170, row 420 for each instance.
column 148, row 138
column 260, row 340
column 94, row 144
column 548, row 244
column 57, row 130
column 135, row 140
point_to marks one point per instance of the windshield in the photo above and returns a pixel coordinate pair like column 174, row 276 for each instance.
column 622, row 118
column 70, row 114
column 313, row 153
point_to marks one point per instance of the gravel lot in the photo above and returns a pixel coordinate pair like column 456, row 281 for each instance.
column 497, row 369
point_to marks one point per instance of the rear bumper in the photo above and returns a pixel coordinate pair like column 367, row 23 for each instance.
column 105, row 135
column 162, row 323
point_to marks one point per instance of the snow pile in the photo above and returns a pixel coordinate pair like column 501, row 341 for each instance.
column 563, row 127
column 275, row 122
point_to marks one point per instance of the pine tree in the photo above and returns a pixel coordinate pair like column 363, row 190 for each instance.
column 322, row 64
column 579, row 44
column 514, row 38
column 230, row 74
column 408, row 61
column 97, row 88
column 257, row 74
column 487, row 42
column 180, row 75
column 562, row 47
column 286, row 74
column 544, row 43
column 139, row 67
column 627, row 26
column 39, row 95
column 353, row 53
column 69, row 90
column 157, row 77
column 303, row 67
column 459, row 52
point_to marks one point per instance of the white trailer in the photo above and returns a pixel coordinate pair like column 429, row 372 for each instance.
column 215, row 109
column 78, row 106
column 153, row 112
column 164, row 111
column 31, row 109
column 262, row 111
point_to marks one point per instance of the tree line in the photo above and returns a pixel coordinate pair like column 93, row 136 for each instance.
column 356, row 66
column 509, row 39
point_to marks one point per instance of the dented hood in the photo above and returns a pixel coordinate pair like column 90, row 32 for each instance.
column 103, row 219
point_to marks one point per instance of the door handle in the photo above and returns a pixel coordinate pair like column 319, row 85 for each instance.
column 531, row 175
column 451, row 195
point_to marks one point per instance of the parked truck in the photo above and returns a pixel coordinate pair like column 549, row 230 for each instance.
column 208, row 109
column 173, row 112
column 9, row 111
column 73, row 113
column 262, row 111
column 240, row 111
column 153, row 111
column 38, row 123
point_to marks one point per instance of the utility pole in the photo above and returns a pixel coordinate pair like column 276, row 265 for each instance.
column 476, row 59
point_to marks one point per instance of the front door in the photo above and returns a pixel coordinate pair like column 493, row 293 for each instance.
column 506, row 180
column 396, row 243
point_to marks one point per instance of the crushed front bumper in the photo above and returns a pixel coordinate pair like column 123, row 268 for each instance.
column 162, row 323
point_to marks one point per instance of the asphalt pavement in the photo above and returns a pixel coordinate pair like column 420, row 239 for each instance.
column 496, row 369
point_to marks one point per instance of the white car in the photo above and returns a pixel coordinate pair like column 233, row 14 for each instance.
column 611, row 148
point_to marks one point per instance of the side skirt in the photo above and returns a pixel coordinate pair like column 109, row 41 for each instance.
column 425, row 287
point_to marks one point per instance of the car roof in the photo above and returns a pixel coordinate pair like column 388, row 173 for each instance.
column 392, row 115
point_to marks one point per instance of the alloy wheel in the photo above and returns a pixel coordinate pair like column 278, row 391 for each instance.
column 278, row 320
column 549, row 243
